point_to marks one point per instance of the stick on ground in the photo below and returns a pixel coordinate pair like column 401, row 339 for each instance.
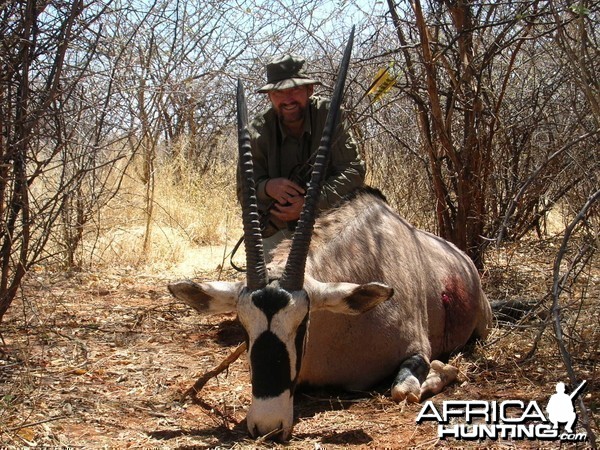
column 199, row 384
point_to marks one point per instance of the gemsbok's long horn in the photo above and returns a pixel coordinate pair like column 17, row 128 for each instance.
column 256, row 271
column 293, row 274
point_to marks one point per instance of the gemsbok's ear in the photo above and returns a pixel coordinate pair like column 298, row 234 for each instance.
column 208, row 298
column 346, row 298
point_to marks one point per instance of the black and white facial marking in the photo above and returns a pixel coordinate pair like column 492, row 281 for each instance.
column 276, row 323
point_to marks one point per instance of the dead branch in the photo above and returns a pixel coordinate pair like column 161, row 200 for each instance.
column 532, row 177
column 224, row 365
column 33, row 424
column 557, row 289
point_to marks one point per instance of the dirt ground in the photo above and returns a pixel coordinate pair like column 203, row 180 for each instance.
column 102, row 360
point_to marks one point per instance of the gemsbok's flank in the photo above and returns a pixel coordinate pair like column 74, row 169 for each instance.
column 357, row 295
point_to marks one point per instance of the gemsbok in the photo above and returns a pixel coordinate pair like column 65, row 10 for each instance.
column 356, row 296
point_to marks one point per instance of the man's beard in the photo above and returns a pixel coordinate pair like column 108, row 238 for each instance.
column 290, row 117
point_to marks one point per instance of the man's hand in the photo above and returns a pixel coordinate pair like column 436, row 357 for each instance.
column 290, row 211
column 283, row 190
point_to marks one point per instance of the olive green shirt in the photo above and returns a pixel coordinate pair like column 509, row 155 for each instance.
column 276, row 154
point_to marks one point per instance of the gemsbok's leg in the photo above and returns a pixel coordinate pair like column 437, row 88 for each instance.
column 440, row 375
column 412, row 373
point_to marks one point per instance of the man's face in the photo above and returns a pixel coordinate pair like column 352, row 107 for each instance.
column 290, row 104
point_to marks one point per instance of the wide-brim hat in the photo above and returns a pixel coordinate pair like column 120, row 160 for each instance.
column 285, row 72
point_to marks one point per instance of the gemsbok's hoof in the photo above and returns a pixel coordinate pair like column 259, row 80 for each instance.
column 409, row 390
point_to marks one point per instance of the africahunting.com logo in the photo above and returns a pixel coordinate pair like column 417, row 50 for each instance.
column 509, row 419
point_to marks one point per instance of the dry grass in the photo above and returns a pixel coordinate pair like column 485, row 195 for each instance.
column 100, row 358
column 190, row 210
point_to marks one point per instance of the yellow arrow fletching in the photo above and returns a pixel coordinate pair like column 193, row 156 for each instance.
column 384, row 81
column 381, row 76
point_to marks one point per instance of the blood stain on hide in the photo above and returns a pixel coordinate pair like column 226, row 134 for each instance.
column 460, row 309
column 445, row 299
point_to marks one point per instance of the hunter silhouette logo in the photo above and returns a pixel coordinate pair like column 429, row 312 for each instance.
column 509, row 419
column 560, row 407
